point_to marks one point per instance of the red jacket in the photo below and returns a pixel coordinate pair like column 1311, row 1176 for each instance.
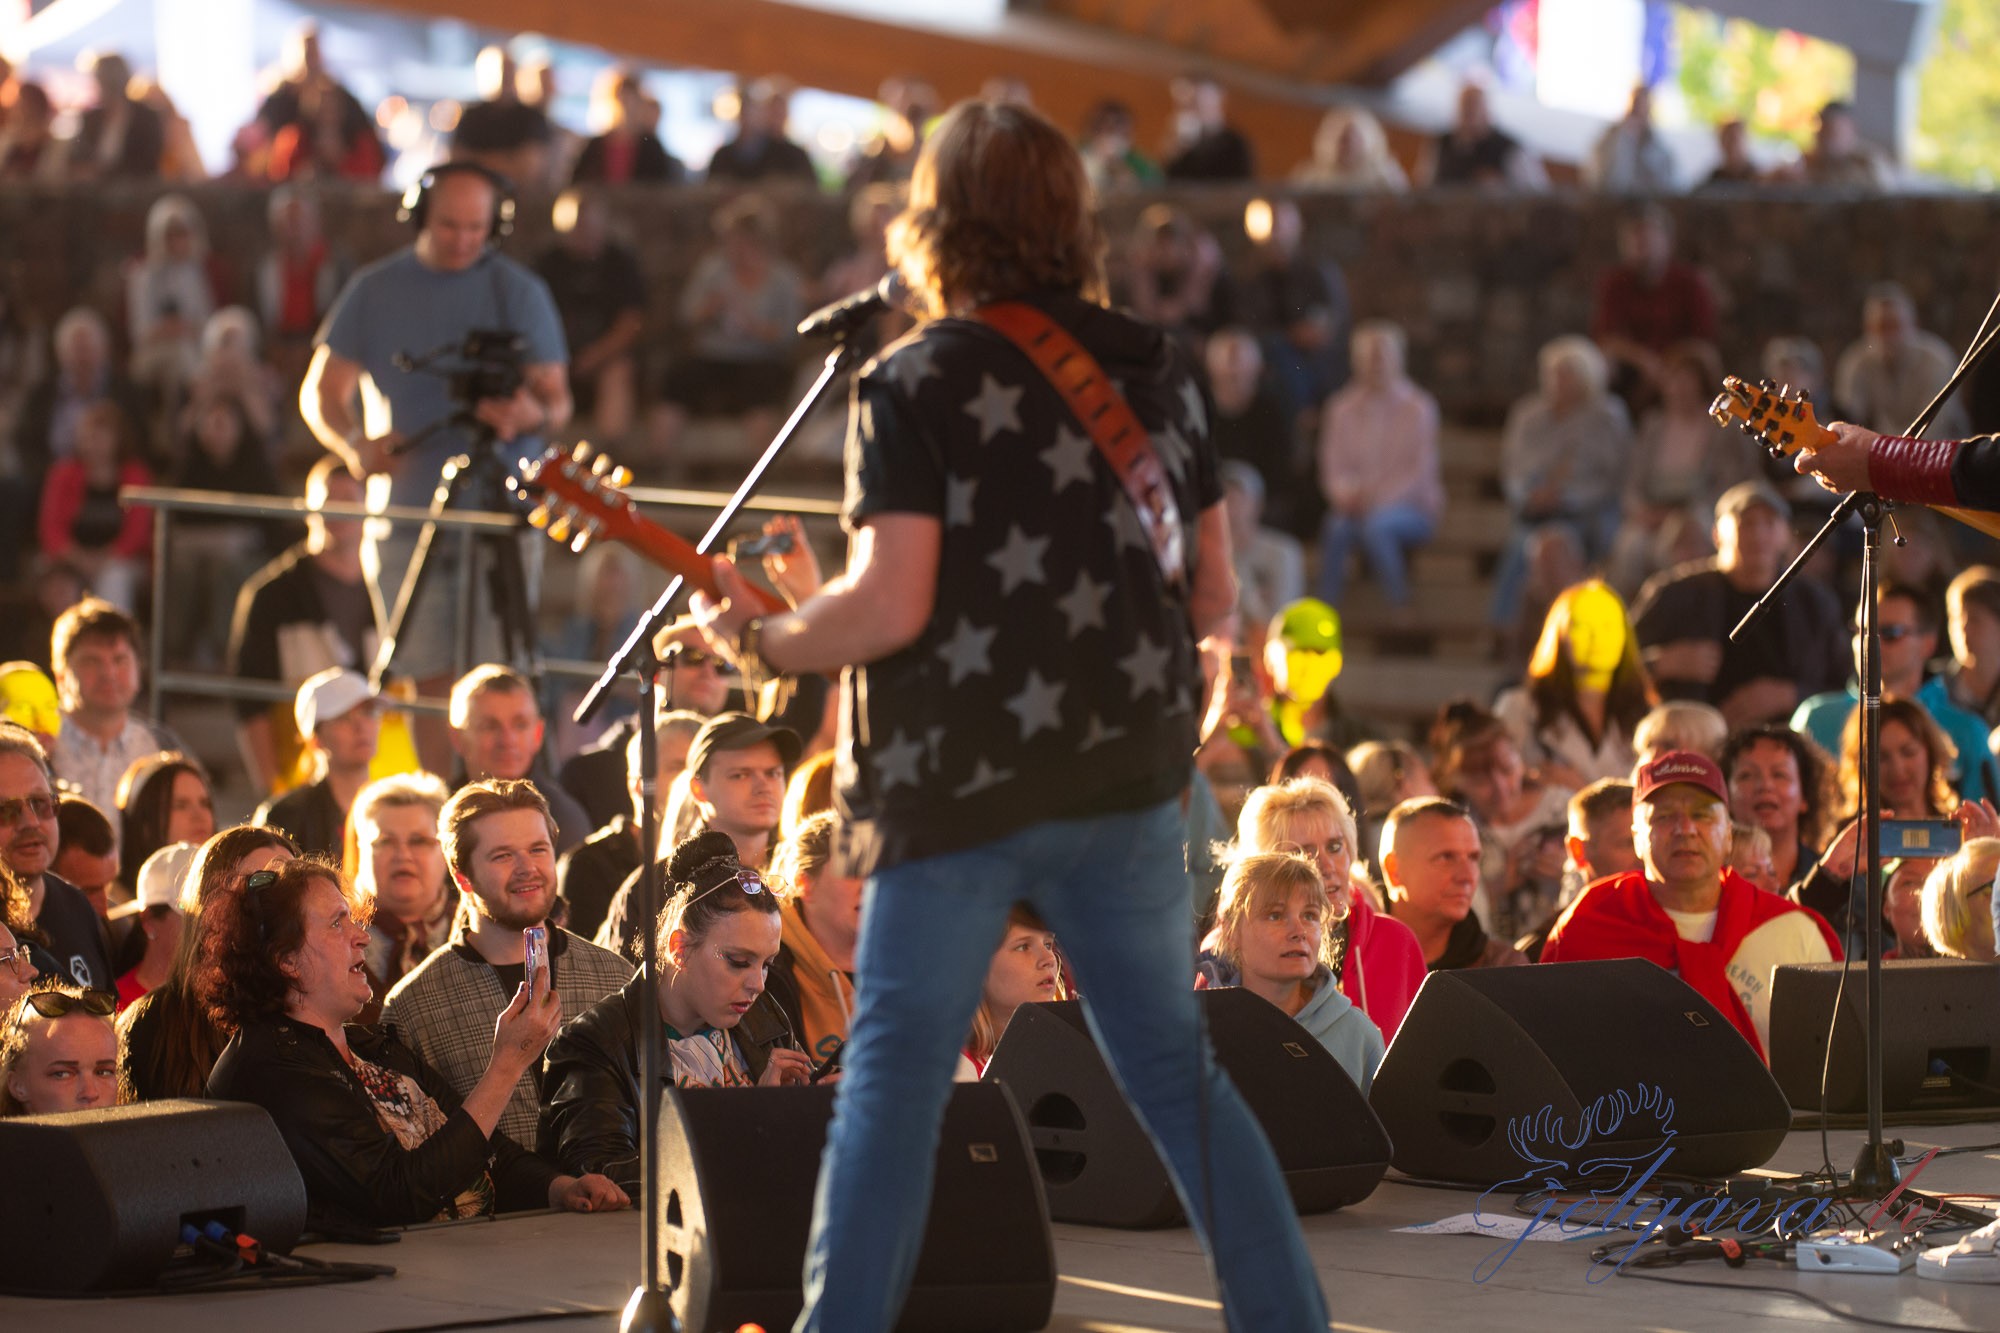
column 1385, row 965
column 1620, row 918
column 62, row 497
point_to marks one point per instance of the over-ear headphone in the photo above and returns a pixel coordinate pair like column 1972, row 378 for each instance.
column 417, row 199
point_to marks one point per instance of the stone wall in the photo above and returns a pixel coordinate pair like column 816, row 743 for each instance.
column 1480, row 282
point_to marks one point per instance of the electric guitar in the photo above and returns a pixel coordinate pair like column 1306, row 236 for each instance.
column 580, row 498
column 1783, row 422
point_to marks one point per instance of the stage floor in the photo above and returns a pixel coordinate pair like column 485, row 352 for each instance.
column 1375, row 1277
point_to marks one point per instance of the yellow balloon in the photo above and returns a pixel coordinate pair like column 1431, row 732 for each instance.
column 29, row 698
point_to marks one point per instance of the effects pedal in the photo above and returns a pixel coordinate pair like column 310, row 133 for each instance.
column 1882, row 1252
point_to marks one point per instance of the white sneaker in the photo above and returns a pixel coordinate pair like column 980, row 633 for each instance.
column 1975, row 1258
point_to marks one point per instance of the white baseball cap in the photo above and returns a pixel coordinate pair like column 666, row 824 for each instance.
column 328, row 695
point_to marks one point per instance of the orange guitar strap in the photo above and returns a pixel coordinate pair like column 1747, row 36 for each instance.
column 1106, row 417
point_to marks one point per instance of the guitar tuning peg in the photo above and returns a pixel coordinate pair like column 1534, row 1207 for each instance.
column 600, row 464
column 560, row 529
column 539, row 516
column 621, row 477
column 1805, row 397
column 585, row 536
column 582, row 451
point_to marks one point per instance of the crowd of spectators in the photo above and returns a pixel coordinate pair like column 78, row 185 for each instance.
column 1644, row 786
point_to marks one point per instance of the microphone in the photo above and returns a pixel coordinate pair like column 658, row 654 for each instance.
column 849, row 313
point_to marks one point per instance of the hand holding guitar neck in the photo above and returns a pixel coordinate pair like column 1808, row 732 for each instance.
column 1784, row 423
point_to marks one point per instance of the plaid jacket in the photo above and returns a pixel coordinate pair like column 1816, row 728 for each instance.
column 444, row 1011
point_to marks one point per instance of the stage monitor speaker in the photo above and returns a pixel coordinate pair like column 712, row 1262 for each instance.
column 1098, row 1165
column 96, row 1199
column 1940, row 1035
column 1500, row 1071
column 738, row 1167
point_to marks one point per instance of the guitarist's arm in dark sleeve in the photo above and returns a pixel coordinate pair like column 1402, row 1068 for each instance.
column 1960, row 473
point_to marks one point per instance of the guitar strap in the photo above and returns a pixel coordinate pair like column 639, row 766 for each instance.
column 1107, row 418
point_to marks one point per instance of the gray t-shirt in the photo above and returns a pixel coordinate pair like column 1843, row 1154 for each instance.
column 400, row 304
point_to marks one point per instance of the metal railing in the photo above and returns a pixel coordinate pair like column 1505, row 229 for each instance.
column 168, row 501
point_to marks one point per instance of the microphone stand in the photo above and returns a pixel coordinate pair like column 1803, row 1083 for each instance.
column 650, row 1308
column 1875, row 1172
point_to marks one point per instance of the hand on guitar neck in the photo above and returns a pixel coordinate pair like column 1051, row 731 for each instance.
column 1835, row 455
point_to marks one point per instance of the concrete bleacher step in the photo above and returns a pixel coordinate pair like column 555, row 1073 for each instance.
column 1405, row 692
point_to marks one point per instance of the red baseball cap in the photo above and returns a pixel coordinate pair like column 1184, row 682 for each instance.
column 1697, row 770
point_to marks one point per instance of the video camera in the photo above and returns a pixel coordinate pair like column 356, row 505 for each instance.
column 489, row 363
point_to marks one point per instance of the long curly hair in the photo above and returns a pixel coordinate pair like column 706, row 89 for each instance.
column 250, row 934
column 1816, row 819
column 999, row 207
column 183, row 1044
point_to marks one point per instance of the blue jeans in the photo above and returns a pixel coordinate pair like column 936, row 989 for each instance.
column 1114, row 890
column 1384, row 534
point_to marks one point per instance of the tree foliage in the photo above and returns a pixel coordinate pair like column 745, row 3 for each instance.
column 1775, row 82
column 1958, row 107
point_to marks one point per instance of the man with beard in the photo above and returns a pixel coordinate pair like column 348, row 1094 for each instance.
column 28, row 843
column 499, row 842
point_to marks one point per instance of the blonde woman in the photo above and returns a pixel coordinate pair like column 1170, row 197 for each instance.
column 1272, row 934
column 1958, row 902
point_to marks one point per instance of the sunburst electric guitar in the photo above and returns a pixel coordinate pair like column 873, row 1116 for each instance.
column 580, row 498
column 1783, row 422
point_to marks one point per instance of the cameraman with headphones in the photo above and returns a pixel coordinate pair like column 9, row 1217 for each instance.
column 365, row 408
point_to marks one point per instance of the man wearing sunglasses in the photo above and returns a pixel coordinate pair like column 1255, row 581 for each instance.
column 499, row 842
column 1909, row 623
column 29, row 839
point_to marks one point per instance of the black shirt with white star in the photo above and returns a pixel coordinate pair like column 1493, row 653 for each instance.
column 1057, row 676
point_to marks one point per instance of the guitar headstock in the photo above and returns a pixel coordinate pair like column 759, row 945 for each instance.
column 580, row 495
column 1779, row 419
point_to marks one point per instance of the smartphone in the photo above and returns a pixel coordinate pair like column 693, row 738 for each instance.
column 535, row 959
column 828, row 1065
column 776, row 543
column 1920, row 837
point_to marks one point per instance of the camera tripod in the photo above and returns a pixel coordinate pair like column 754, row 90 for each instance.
column 473, row 480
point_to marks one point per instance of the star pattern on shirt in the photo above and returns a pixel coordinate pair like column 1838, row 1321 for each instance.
column 1038, row 706
column 996, row 407
column 1068, row 458
column 1197, row 411
column 984, row 775
column 1124, row 523
column 1019, row 559
column 896, row 763
column 1146, row 665
column 1175, row 452
column 968, row 652
column 1083, row 605
column 912, row 365
column 958, row 493
column 1095, row 733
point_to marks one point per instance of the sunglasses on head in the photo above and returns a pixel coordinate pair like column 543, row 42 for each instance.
column 747, row 879
column 55, row 1003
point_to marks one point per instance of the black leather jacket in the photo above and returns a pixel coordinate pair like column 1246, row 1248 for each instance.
column 590, row 1092
column 355, row 1171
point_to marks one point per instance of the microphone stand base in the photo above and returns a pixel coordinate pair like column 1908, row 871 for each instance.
column 1875, row 1171
column 649, row 1311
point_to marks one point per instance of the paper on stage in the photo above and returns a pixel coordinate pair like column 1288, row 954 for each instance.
column 1500, row 1225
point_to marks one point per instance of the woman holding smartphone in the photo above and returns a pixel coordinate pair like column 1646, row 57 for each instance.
column 717, row 939
column 380, row 1138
